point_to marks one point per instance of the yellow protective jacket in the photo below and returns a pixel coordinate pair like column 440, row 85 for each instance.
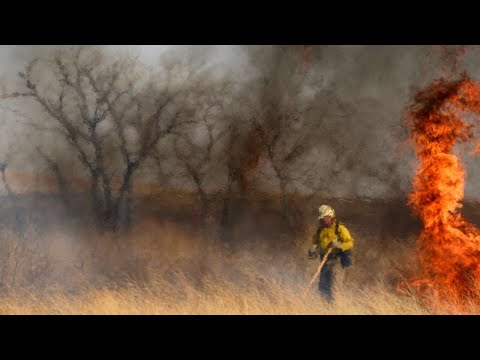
column 323, row 238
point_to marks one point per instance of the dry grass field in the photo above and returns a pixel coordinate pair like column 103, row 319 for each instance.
column 168, row 267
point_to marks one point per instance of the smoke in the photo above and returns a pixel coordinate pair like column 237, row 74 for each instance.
column 352, row 102
column 353, row 98
column 358, row 109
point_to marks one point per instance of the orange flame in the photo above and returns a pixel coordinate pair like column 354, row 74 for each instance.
column 449, row 246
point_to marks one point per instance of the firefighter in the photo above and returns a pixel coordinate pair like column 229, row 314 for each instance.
column 330, row 234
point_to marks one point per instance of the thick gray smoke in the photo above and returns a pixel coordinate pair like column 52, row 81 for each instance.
column 351, row 102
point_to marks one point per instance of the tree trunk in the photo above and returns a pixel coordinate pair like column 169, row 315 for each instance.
column 107, row 195
column 284, row 201
column 128, row 207
column 225, row 220
column 204, row 213
column 125, row 193
column 97, row 203
column 203, row 203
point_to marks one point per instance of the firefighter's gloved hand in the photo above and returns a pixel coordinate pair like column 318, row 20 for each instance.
column 336, row 244
column 312, row 254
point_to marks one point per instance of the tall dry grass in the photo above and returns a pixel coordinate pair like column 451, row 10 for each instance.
column 170, row 267
column 162, row 271
column 215, row 298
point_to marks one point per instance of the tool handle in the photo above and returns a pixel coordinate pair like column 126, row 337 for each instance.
column 324, row 260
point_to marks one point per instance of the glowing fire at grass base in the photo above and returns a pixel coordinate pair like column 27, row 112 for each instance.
column 449, row 246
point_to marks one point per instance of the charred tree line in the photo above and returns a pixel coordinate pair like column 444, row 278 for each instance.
column 224, row 136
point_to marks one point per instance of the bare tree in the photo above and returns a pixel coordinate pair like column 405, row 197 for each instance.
column 287, row 109
column 242, row 151
column 282, row 149
column 196, row 156
column 113, row 113
column 249, row 133
column 281, row 132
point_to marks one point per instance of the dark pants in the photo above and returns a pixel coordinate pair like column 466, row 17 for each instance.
column 325, row 283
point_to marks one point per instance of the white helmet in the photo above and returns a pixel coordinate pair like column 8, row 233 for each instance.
column 324, row 211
